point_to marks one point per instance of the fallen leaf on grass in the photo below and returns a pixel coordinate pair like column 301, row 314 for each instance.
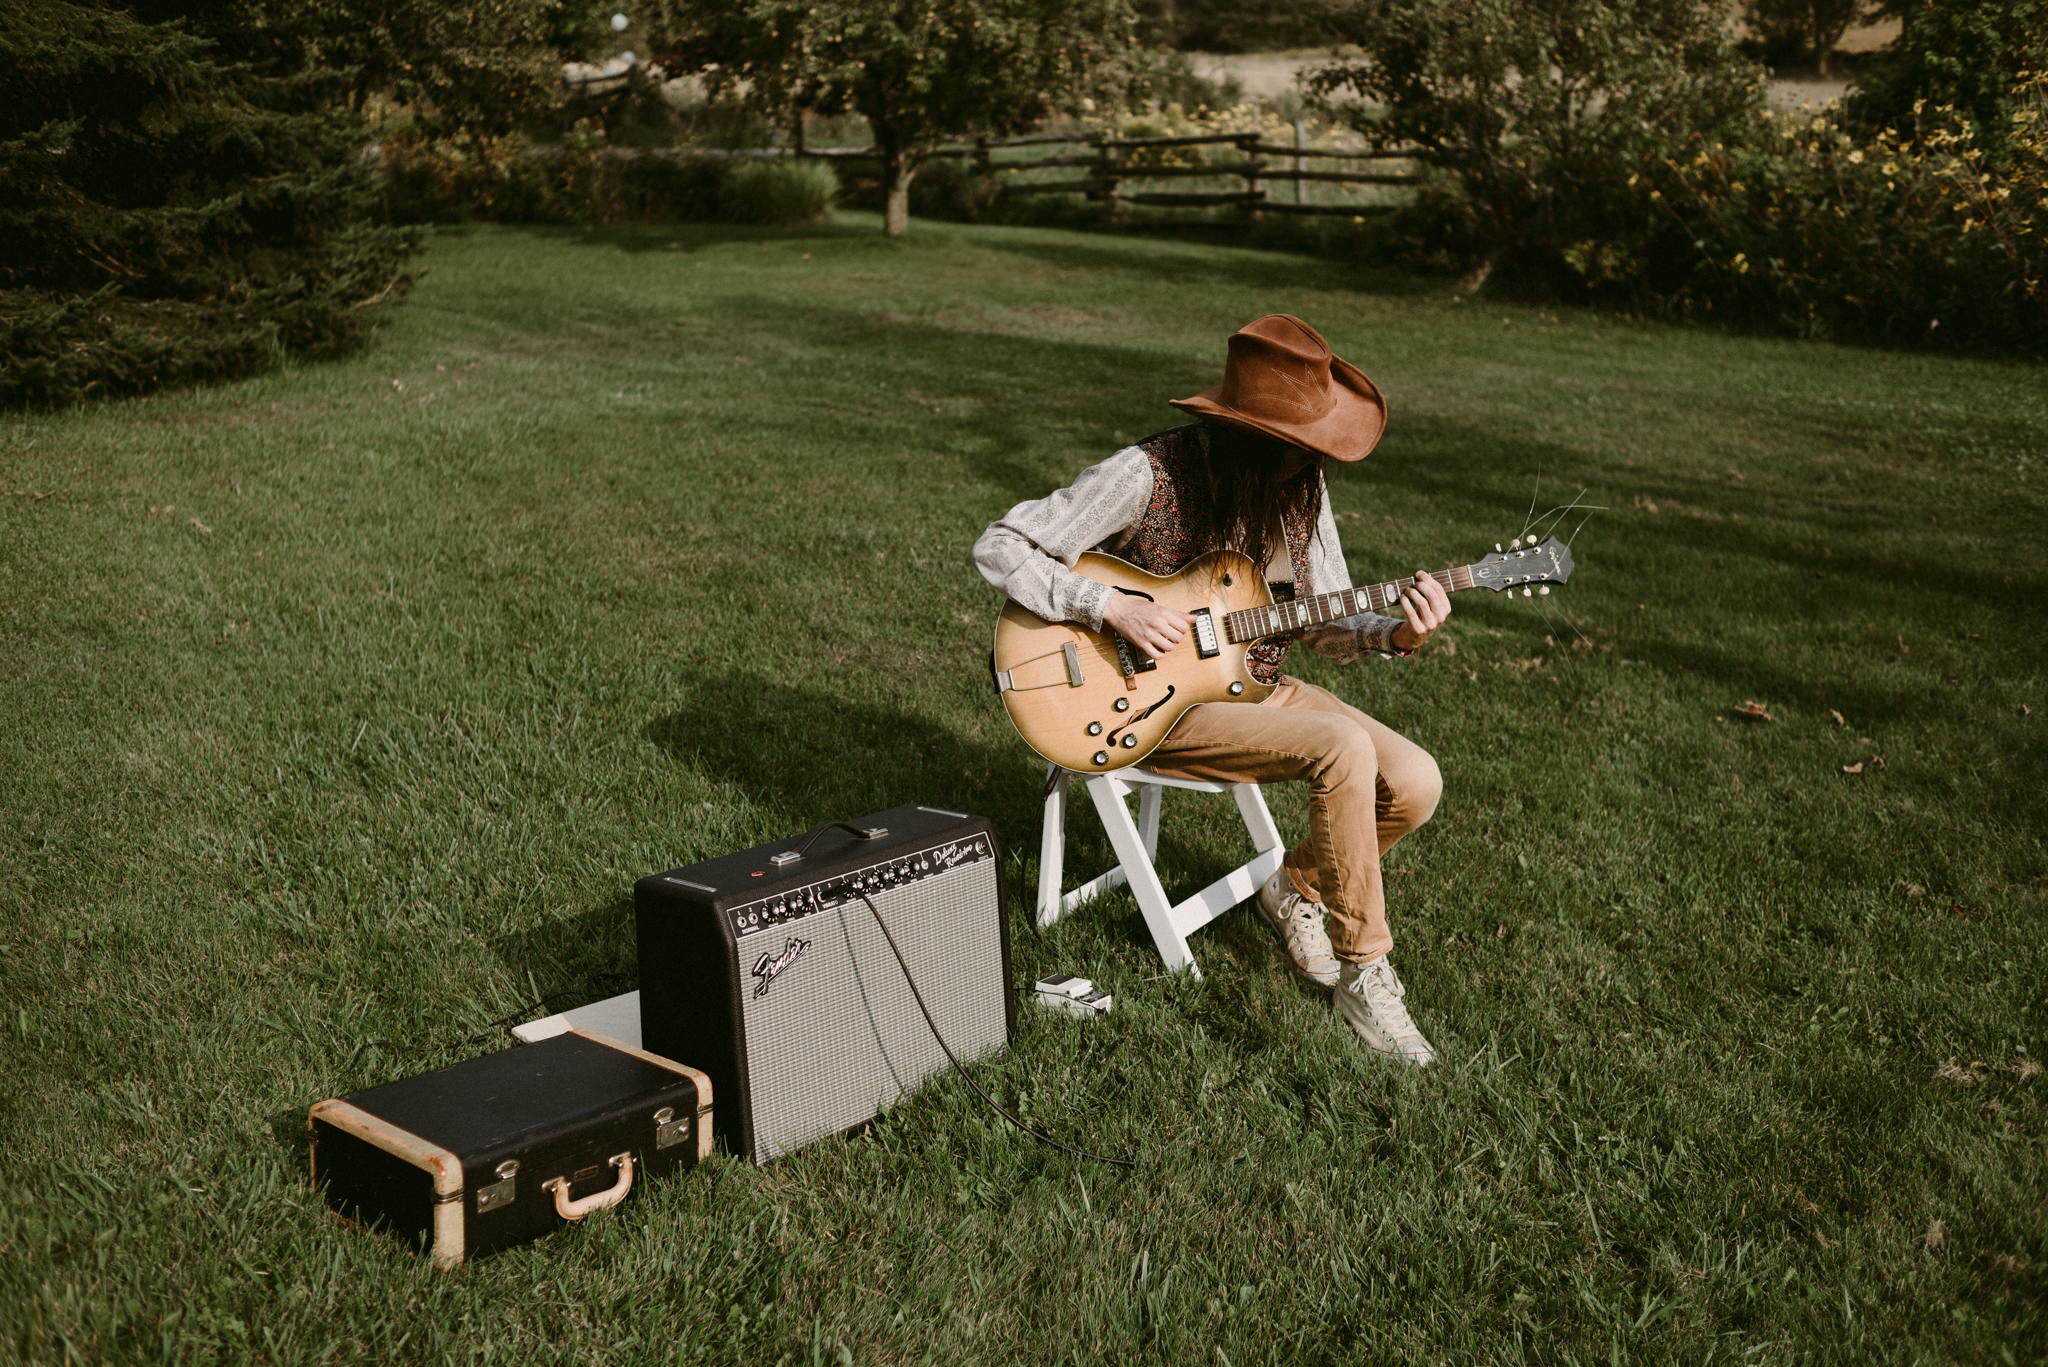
column 196, row 525
column 166, row 510
column 1855, row 768
column 1915, row 890
column 1936, row 1236
column 1754, row 709
column 1840, row 720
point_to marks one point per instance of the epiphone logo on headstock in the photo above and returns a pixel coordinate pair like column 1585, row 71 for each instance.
column 769, row 966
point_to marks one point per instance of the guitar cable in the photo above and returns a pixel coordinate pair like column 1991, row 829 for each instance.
column 959, row 1068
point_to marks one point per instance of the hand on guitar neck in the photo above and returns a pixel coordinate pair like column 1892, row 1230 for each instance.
column 1426, row 605
column 1146, row 625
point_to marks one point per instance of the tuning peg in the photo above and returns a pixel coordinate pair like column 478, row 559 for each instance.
column 1544, row 591
column 1516, row 542
column 1496, row 545
column 1527, row 591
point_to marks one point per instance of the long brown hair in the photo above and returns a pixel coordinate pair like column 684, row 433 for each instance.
column 1248, row 497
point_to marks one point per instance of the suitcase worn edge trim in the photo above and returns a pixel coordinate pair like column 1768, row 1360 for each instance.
column 695, row 1075
column 443, row 1165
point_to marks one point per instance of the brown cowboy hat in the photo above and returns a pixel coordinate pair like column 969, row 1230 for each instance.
column 1283, row 380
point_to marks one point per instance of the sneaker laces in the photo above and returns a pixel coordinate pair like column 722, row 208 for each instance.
column 1381, row 989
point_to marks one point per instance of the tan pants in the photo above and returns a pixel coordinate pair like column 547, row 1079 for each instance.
column 1368, row 787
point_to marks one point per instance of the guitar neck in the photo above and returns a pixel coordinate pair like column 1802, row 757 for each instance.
column 1305, row 614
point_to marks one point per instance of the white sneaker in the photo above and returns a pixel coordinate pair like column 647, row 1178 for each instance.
column 1299, row 924
column 1369, row 998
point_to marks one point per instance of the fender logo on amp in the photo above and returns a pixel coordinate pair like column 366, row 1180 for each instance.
column 769, row 966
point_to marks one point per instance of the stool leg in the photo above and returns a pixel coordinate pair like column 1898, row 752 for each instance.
column 1129, row 845
column 1052, row 848
column 1258, row 818
column 1148, row 818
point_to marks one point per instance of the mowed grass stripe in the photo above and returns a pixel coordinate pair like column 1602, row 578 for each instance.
column 620, row 549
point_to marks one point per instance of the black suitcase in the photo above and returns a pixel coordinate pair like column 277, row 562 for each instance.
column 505, row 1148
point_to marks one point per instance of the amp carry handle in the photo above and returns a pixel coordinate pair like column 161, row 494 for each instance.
column 811, row 838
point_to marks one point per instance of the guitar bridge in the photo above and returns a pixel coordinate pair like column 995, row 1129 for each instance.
column 1006, row 679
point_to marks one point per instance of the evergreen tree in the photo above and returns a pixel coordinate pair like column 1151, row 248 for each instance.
column 170, row 216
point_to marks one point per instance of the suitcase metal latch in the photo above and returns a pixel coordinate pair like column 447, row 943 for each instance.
column 502, row 1191
column 669, row 1129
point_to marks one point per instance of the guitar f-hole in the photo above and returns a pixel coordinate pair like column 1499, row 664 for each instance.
column 1170, row 690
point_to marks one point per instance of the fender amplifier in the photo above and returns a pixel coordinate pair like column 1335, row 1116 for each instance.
column 766, row 970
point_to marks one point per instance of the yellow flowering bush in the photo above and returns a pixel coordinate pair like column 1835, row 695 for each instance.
column 1907, row 234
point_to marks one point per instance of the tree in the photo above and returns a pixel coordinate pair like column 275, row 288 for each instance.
column 1812, row 27
column 170, row 216
column 919, row 71
column 1536, row 114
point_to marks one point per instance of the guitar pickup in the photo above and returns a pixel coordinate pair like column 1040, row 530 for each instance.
column 1132, row 662
column 1205, row 635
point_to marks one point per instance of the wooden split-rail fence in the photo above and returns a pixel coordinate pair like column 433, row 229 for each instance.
column 1109, row 168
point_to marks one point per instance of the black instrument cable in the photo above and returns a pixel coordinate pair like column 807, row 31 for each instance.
column 993, row 1104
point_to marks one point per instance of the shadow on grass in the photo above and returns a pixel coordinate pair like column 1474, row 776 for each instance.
column 1132, row 252
column 814, row 753
column 688, row 237
column 574, row 960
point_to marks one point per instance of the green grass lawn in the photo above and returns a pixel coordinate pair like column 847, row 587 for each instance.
column 344, row 706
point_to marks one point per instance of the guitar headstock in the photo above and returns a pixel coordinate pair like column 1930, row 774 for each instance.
column 1546, row 562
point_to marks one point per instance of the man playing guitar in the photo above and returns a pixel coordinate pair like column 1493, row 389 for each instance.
column 1248, row 476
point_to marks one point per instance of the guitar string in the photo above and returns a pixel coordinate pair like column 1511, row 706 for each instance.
column 1242, row 626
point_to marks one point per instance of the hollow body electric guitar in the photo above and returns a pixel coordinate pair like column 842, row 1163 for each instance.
column 1090, row 700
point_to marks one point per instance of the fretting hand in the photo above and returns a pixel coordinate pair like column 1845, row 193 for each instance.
column 1426, row 605
column 1151, row 628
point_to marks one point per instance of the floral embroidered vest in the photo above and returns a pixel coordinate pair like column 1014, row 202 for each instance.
column 1180, row 524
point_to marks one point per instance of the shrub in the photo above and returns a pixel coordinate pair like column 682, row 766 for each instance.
column 777, row 193
column 452, row 180
column 1968, row 54
column 583, row 181
column 1911, row 235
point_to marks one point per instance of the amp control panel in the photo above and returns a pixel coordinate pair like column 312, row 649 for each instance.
column 793, row 902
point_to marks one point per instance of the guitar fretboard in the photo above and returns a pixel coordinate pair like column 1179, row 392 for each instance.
column 1303, row 614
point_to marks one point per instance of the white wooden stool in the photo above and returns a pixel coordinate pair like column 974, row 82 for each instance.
column 1136, row 843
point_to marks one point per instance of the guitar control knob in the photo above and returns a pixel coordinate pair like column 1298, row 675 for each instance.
column 1123, row 704
column 1102, row 757
column 1235, row 689
column 1130, row 742
column 1094, row 728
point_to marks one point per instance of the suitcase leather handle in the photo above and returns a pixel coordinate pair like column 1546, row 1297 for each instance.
column 597, row 1200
